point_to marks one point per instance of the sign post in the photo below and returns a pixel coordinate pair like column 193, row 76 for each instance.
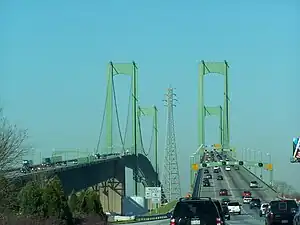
column 154, row 195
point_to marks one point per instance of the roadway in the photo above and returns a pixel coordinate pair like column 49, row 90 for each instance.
column 237, row 181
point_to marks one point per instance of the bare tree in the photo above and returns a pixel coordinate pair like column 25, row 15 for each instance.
column 11, row 143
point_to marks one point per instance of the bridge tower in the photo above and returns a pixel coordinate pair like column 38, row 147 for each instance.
column 205, row 68
column 171, row 179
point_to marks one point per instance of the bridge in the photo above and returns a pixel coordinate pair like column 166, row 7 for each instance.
column 116, row 149
column 126, row 149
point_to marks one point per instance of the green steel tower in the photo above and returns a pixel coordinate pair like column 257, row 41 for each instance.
column 206, row 68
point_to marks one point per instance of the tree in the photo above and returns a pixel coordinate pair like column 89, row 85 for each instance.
column 73, row 202
column 30, row 200
column 55, row 201
column 11, row 143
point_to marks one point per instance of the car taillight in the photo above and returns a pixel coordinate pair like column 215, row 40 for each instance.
column 172, row 222
column 219, row 221
column 271, row 215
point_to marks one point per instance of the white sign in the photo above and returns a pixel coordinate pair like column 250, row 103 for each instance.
column 153, row 192
column 156, row 200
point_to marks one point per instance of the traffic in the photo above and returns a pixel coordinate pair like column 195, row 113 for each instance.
column 226, row 196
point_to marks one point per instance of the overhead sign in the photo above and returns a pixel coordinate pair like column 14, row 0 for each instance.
column 195, row 167
column 153, row 193
column 269, row 166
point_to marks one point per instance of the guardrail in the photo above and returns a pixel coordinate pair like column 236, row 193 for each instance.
column 153, row 217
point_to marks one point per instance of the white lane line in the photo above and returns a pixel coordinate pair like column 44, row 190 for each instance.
column 226, row 180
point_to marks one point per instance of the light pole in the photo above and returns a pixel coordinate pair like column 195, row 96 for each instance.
column 271, row 171
column 261, row 160
column 192, row 161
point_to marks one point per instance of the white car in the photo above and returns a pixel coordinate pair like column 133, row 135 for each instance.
column 216, row 168
column 253, row 184
column 234, row 207
column 263, row 208
column 247, row 200
column 227, row 168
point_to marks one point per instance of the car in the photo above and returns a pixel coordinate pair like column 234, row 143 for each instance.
column 236, row 167
column 246, row 194
column 206, row 183
column 216, row 168
column 219, row 177
column 296, row 220
column 263, row 208
column 200, row 210
column 216, row 171
column 281, row 212
column 209, row 176
column 253, row 184
column 246, row 200
column 226, row 212
column 223, row 192
column 206, row 171
column 234, row 207
column 255, row 203
column 227, row 168
column 225, row 201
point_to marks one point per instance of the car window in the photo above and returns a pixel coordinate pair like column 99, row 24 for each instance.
column 199, row 209
column 233, row 204
column 279, row 206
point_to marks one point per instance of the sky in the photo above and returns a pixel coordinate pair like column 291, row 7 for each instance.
column 54, row 57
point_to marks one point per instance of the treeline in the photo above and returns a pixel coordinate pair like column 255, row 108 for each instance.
column 47, row 204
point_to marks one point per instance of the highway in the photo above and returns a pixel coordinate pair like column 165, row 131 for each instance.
column 237, row 181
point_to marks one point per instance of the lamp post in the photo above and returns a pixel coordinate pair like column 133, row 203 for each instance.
column 192, row 161
column 271, row 171
column 261, row 160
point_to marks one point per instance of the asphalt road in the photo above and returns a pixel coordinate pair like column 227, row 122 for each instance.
column 237, row 181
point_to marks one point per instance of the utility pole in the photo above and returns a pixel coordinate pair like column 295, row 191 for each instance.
column 171, row 170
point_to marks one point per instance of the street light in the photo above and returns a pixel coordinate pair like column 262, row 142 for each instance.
column 271, row 172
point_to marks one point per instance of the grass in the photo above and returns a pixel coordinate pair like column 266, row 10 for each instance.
column 163, row 209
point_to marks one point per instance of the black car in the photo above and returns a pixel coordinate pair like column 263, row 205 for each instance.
column 199, row 210
column 226, row 212
column 255, row 203
column 281, row 212
column 219, row 177
column 206, row 183
column 216, row 170
column 206, row 171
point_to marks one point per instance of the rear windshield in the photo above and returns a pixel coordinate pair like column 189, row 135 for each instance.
column 199, row 209
column 254, row 182
column 265, row 206
column 233, row 204
column 283, row 206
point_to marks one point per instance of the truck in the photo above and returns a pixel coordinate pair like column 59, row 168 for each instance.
column 27, row 166
column 56, row 159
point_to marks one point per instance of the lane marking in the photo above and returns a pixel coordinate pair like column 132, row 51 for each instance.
column 226, row 180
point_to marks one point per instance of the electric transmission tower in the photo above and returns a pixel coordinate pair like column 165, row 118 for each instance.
column 171, row 170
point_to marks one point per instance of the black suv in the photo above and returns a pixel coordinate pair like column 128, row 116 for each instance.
column 206, row 183
column 281, row 211
column 199, row 210
column 255, row 203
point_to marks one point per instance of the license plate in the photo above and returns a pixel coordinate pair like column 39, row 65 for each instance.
column 195, row 222
column 284, row 221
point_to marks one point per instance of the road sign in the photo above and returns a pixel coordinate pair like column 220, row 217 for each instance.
column 269, row 166
column 156, row 200
column 195, row 166
column 153, row 193
column 217, row 146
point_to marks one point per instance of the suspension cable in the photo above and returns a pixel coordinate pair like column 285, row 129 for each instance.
column 117, row 113
column 128, row 112
column 103, row 118
column 141, row 137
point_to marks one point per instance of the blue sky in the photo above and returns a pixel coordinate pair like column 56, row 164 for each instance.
column 54, row 55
